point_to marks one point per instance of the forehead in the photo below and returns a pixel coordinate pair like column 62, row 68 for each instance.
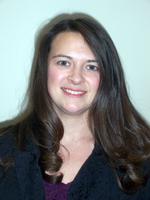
column 70, row 42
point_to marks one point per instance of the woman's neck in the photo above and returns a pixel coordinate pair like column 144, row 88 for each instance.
column 76, row 128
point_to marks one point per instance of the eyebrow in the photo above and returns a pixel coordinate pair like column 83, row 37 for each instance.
column 69, row 57
column 62, row 55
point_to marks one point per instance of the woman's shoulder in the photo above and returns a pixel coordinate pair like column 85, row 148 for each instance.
column 7, row 148
column 7, row 141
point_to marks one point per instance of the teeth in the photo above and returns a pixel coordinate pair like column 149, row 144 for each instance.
column 72, row 92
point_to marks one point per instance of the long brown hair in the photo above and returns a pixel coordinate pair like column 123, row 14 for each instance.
column 116, row 125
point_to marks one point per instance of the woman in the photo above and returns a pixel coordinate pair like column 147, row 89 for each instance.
column 79, row 136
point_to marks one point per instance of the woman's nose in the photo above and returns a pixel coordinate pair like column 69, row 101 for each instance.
column 76, row 75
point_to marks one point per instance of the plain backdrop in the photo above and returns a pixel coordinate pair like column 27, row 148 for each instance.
column 128, row 23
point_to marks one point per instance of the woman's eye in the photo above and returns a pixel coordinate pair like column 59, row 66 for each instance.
column 63, row 63
column 92, row 67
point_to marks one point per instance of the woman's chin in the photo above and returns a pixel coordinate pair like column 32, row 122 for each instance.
column 74, row 111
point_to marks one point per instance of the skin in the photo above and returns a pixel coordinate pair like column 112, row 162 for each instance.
column 73, row 81
column 73, row 74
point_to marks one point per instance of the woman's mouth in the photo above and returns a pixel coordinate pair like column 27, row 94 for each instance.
column 73, row 92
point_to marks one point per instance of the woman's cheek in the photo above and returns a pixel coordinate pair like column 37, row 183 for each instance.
column 55, row 76
column 95, row 81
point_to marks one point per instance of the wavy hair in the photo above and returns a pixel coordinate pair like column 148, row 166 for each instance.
column 116, row 125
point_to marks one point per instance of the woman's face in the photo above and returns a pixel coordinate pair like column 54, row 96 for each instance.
column 73, row 74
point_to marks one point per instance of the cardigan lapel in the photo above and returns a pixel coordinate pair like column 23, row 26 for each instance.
column 29, row 174
column 91, row 177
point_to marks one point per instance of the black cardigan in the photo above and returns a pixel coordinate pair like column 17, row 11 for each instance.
column 94, row 181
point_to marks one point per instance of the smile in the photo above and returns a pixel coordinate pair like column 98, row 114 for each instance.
column 73, row 92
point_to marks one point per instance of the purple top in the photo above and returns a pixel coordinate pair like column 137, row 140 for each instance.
column 56, row 191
